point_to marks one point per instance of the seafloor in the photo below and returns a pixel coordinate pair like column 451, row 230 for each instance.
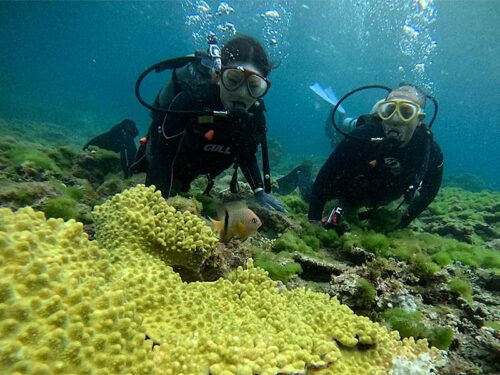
column 438, row 280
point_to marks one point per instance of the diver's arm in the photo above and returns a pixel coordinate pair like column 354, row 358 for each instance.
column 160, row 167
column 169, row 131
column 430, row 187
column 247, row 158
column 326, row 186
column 251, row 171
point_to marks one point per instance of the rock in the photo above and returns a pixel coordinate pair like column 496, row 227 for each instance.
column 358, row 255
column 493, row 244
column 224, row 259
column 275, row 222
column 489, row 281
column 95, row 164
column 317, row 270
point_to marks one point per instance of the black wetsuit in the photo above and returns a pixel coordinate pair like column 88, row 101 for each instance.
column 120, row 138
column 365, row 173
column 185, row 146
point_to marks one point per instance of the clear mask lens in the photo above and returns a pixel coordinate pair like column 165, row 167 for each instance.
column 387, row 109
column 233, row 79
column 257, row 86
column 407, row 111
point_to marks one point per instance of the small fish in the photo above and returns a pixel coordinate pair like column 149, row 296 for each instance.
column 237, row 221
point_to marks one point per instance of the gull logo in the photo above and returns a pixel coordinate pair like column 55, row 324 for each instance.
column 393, row 165
column 391, row 162
column 217, row 148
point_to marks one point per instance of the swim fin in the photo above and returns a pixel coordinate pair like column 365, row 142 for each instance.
column 327, row 95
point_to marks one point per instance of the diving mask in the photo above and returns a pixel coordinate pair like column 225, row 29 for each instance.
column 233, row 77
column 406, row 110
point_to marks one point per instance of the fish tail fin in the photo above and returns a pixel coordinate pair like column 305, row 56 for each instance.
column 217, row 225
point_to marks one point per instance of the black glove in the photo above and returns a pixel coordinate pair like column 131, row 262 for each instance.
column 268, row 201
column 333, row 220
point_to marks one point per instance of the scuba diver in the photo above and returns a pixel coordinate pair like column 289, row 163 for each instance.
column 388, row 155
column 210, row 116
column 120, row 138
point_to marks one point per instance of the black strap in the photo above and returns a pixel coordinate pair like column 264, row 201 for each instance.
column 233, row 186
column 210, row 185
column 265, row 163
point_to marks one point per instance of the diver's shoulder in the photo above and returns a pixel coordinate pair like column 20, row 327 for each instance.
column 367, row 126
column 436, row 151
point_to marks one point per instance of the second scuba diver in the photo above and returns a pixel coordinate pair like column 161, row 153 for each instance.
column 388, row 155
column 211, row 119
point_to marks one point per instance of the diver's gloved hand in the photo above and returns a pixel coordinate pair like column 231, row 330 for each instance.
column 268, row 201
column 333, row 219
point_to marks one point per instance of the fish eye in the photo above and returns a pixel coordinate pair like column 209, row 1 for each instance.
column 254, row 221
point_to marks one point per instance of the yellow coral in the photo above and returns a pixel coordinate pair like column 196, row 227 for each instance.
column 246, row 325
column 140, row 220
column 67, row 305
column 51, row 279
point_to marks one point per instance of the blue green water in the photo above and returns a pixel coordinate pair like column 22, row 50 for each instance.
column 76, row 62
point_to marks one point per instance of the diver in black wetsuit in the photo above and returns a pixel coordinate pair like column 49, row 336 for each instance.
column 120, row 138
column 404, row 161
column 182, row 146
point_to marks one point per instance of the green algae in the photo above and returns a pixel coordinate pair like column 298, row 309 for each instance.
column 492, row 324
column 365, row 291
column 61, row 207
column 279, row 268
column 423, row 267
column 26, row 193
column 440, row 337
column 291, row 242
column 63, row 156
column 295, row 204
column 407, row 323
column 472, row 217
column 406, row 245
column 461, row 287
column 27, row 156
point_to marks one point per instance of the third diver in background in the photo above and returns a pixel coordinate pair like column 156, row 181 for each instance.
column 120, row 138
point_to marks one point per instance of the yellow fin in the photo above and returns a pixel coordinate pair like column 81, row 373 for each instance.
column 218, row 225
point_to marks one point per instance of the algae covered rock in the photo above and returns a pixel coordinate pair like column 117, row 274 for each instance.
column 469, row 217
column 95, row 164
